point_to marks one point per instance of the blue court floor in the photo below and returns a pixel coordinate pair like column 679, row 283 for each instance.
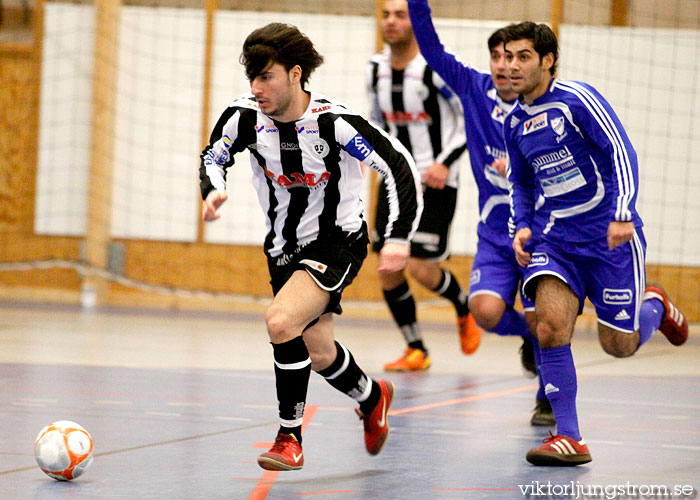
column 180, row 429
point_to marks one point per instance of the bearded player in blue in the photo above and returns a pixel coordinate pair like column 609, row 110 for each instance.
column 565, row 143
column 487, row 99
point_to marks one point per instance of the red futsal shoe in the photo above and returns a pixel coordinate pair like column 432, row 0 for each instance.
column 376, row 423
column 285, row 454
column 469, row 334
column 559, row 451
column 674, row 325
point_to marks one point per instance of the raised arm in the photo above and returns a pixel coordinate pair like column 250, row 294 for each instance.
column 455, row 73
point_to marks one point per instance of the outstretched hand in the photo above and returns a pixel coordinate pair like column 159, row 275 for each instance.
column 210, row 206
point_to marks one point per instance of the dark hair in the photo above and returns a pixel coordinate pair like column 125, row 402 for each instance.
column 543, row 39
column 279, row 43
column 497, row 37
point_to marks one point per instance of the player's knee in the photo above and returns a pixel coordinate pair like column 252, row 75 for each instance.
column 487, row 315
column 618, row 344
column 552, row 332
column 426, row 273
column 279, row 325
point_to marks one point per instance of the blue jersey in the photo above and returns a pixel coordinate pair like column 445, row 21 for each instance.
column 484, row 114
column 570, row 147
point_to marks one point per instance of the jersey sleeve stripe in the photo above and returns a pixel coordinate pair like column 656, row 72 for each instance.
column 391, row 160
column 623, row 168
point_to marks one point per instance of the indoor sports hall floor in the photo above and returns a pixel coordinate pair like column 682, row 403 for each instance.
column 180, row 404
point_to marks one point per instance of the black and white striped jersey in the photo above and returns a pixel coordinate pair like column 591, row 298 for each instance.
column 419, row 108
column 308, row 173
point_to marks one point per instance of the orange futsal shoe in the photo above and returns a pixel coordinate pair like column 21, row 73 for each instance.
column 376, row 423
column 413, row 360
column 469, row 333
column 674, row 325
column 285, row 454
column 559, row 451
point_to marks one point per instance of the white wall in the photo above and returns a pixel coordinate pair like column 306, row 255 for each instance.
column 64, row 120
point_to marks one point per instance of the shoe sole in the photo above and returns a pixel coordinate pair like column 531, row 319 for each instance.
column 553, row 459
column 543, row 421
column 405, row 370
column 377, row 450
column 272, row 464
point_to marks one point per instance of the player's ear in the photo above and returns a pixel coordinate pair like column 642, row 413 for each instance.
column 548, row 61
column 295, row 74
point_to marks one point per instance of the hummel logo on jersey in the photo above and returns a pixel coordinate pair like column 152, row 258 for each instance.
column 549, row 389
column 536, row 123
column 622, row 315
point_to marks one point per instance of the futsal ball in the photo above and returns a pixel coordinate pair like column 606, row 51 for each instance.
column 63, row 450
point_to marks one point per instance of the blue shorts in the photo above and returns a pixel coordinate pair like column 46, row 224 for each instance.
column 496, row 272
column 613, row 280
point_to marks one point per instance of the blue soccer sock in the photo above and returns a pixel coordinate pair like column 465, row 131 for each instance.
column 650, row 316
column 559, row 376
column 512, row 323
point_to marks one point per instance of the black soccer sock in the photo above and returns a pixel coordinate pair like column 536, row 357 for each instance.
column 292, row 372
column 345, row 375
column 403, row 309
column 450, row 289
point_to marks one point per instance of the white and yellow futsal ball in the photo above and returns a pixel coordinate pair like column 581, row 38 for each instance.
column 63, row 450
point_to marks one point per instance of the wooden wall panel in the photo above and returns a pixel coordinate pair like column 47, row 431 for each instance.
column 18, row 137
column 236, row 269
column 19, row 102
